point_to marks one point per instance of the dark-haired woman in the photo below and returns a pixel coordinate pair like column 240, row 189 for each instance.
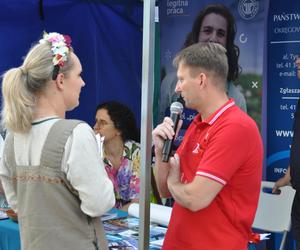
column 214, row 23
column 121, row 150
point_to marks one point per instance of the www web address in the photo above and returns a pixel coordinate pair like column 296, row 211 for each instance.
column 284, row 133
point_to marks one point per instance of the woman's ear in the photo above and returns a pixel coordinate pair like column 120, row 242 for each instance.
column 60, row 81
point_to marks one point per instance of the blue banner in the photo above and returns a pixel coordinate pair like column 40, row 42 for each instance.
column 283, row 86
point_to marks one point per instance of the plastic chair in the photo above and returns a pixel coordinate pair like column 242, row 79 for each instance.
column 274, row 210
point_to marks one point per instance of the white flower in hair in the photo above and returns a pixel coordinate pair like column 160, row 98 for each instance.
column 60, row 46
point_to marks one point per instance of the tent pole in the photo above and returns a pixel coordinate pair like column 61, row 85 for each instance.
column 146, row 122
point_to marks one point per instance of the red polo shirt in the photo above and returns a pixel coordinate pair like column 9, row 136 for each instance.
column 226, row 148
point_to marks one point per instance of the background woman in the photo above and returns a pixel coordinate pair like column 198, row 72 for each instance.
column 121, row 150
column 216, row 24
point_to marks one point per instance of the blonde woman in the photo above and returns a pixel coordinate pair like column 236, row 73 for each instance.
column 51, row 172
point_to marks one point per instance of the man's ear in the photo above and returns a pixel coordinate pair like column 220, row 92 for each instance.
column 202, row 79
column 60, row 81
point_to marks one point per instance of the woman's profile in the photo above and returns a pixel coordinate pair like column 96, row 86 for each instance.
column 51, row 172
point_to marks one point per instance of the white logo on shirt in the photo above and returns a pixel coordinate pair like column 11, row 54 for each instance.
column 196, row 149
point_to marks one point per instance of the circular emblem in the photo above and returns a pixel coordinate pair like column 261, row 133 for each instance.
column 248, row 8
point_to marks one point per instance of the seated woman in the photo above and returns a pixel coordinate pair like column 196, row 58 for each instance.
column 121, row 151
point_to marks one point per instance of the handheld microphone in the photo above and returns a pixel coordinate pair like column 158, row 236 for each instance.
column 175, row 110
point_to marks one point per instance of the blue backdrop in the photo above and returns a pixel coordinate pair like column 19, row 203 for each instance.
column 107, row 37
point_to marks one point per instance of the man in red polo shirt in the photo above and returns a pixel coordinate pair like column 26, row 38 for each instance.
column 216, row 172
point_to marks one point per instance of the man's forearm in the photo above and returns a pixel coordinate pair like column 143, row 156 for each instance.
column 195, row 195
column 161, row 174
column 177, row 190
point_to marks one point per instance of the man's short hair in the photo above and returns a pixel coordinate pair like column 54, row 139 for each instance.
column 206, row 55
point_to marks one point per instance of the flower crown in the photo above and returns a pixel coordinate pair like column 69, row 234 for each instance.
column 60, row 47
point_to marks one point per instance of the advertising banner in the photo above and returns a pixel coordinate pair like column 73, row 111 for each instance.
column 283, row 86
column 177, row 19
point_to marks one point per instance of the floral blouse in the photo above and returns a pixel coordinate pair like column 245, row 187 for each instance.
column 126, row 179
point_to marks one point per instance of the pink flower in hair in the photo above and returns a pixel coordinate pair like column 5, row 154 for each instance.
column 60, row 47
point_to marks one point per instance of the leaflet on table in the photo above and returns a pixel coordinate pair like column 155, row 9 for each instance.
column 119, row 242
column 113, row 214
column 120, row 225
column 108, row 216
column 124, row 233
column 157, row 243
column 158, row 214
column 156, row 233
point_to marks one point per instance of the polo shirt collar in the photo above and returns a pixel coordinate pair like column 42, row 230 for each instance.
column 213, row 117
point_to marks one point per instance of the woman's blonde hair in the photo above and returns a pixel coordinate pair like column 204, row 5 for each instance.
column 21, row 85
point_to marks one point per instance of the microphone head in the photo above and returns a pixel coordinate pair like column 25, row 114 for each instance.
column 176, row 107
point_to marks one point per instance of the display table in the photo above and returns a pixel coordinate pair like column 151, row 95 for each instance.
column 10, row 238
column 9, row 235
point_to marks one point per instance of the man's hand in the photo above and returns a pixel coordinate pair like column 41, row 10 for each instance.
column 174, row 172
column 164, row 131
column 284, row 181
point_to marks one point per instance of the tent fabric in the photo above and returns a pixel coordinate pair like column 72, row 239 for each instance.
column 106, row 36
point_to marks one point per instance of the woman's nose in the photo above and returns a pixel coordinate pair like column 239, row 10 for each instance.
column 96, row 128
column 213, row 37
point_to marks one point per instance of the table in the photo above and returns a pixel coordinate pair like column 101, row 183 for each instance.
column 10, row 238
column 9, row 235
